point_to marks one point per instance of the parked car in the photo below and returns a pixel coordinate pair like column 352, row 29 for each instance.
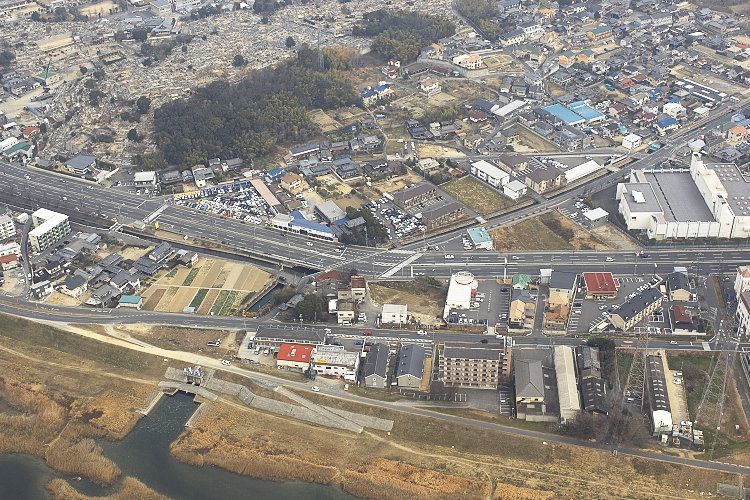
column 226, row 362
column 315, row 388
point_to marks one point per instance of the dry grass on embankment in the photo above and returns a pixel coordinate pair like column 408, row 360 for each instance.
column 426, row 458
column 131, row 489
column 59, row 391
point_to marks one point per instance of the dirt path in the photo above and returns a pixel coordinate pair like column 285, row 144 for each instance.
column 469, row 462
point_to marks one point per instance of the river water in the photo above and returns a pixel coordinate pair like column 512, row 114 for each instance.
column 144, row 454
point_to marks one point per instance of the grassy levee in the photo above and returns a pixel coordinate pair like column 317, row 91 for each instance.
column 131, row 489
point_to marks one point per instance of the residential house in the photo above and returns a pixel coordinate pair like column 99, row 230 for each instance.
column 293, row 183
column 410, row 366
column 678, row 285
column 522, row 309
column 375, row 370
column 468, row 61
column 545, row 179
column 429, row 86
column 81, row 164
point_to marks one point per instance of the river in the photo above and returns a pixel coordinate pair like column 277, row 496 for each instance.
column 144, row 454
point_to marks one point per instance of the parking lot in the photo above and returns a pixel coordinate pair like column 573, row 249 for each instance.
column 587, row 314
column 238, row 201
column 398, row 223
column 490, row 307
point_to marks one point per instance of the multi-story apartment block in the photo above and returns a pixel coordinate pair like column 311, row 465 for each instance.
column 480, row 366
column 49, row 228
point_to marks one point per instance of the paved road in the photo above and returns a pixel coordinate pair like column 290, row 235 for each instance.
column 31, row 310
column 83, row 199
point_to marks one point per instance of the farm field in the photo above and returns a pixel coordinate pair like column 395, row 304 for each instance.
column 211, row 286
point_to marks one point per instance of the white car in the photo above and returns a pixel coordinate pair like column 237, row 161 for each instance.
column 609, row 259
column 449, row 256
column 226, row 362
column 421, row 332
column 677, row 381
column 315, row 388
column 309, row 243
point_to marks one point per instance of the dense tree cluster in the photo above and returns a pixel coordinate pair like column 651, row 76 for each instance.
column 6, row 58
column 250, row 118
column 312, row 308
column 480, row 13
column 400, row 34
column 372, row 233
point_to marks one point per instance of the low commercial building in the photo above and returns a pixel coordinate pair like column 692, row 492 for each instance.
column 375, row 371
column 480, row 238
column 661, row 412
column 81, row 164
column 636, row 309
column 147, row 178
column 394, row 313
column 461, row 289
column 410, row 367
column 345, row 312
column 334, row 360
column 594, row 218
column 297, row 223
column 132, row 301
column 600, row 285
column 294, row 357
column 475, row 365
column 743, row 314
column 567, row 389
column 49, row 228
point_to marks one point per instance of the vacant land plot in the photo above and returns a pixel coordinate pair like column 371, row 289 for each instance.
column 435, row 151
column 396, row 183
column 210, row 281
column 550, row 231
column 424, row 300
column 325, row 122
column 535, row 142
column 475, row 195
column 103, row 8
column 501, row 62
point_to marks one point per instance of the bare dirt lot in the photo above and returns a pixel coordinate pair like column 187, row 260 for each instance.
column 550, row 231
column 435, row 151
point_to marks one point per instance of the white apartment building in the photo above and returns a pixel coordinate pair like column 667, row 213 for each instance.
column 742, row 280
column 49, row 228
column 7, row 228
column 743, row 314
column 489, row 173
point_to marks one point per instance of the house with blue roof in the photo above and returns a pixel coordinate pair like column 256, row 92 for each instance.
column 275, row 174
column 665, row 125
column 377, row 94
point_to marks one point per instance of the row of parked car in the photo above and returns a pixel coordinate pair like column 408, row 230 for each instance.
column 404, row 224
column 246, row 205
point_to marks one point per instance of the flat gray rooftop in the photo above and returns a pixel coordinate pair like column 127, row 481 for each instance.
column 679, row 197
column 650, row 202
column 737, row 186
